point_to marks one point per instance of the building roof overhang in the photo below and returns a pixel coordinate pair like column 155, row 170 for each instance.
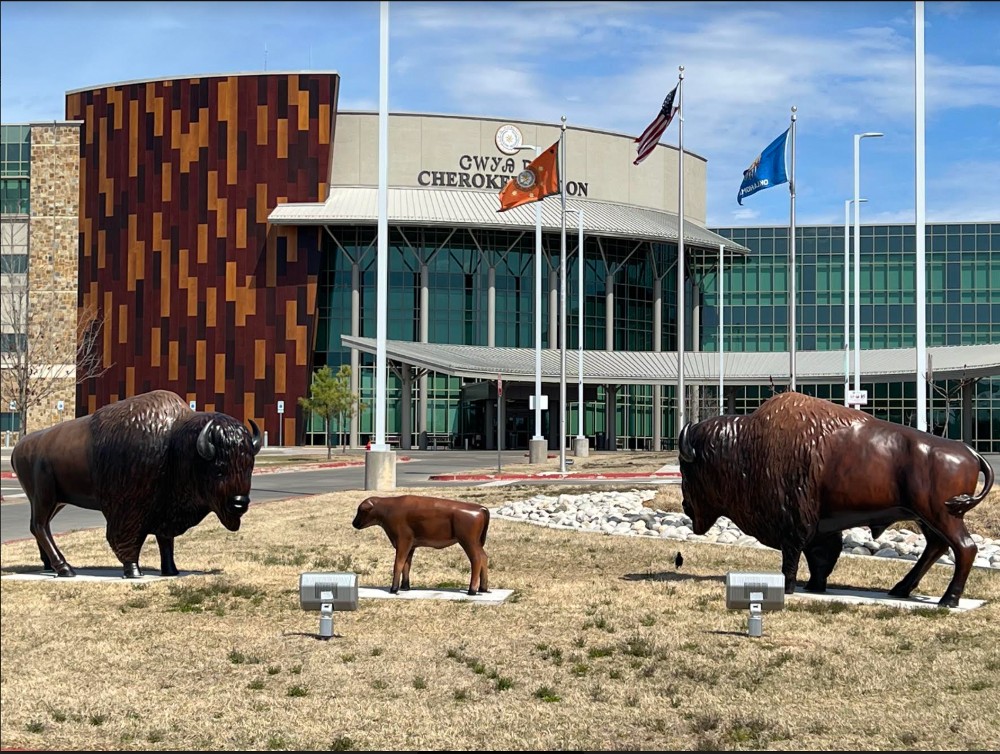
column 700, row 367
column 408, row 206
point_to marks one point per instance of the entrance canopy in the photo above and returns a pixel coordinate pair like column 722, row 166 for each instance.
column 700, row 367
column 357, row 205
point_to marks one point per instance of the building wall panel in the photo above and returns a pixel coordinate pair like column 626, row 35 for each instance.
column 178, row 178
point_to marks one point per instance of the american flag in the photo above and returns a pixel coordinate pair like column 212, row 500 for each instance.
column 651, row 136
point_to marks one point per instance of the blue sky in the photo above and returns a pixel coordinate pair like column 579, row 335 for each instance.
column 847, row 66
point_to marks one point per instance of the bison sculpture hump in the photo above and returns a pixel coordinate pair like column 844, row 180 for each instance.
column 150, row 463
column 799, row 470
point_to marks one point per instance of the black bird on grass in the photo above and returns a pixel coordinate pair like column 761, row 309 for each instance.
column 678, row 561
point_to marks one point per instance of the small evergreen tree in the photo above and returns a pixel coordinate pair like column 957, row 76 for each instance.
column 330, row 395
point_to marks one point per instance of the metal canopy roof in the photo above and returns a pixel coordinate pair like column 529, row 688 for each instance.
column 357, row 205
column 700, row 367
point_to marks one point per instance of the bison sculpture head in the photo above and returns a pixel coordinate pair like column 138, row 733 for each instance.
column 702, row 452
column 228, row 450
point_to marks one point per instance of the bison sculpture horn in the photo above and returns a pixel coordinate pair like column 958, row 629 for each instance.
column 257, row 441
column 205, row 448
column 685, row 450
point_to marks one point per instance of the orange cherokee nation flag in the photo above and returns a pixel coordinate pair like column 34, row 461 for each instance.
column 538, row 180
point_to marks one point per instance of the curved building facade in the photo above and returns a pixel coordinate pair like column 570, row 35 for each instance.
column 199, row 294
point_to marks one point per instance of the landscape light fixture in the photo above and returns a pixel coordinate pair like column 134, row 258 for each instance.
column 758, row 592
column 327, row 592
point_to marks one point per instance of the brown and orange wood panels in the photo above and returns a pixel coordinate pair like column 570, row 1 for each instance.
column 199, row 295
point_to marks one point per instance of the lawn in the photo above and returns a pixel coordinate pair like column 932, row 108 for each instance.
column 603, row 645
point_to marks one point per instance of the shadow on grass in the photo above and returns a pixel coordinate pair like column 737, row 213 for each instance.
column 97, row 570
column 670, row 576
column 306, row 635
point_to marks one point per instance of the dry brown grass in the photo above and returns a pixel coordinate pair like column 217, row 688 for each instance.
column 603, row 645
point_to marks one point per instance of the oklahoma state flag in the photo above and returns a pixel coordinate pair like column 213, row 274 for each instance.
column 538, row 180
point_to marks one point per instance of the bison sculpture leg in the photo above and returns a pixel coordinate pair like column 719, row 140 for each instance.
column 126, row 545
column 937, row 545
column 479, row 579
column 822, row 554
column 167, row 565
column 405, row 586
column 40, row 489
column 790, row 554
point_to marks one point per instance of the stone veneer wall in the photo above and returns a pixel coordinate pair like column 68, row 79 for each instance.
column 53, row 254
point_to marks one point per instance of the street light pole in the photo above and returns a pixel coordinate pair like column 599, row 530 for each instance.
column 847, row 296
column 857, row 254
column 580, row 447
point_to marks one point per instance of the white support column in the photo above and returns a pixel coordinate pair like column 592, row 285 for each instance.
column 609, row 312
column 553, row 308
column 491, row 307
column 657, row 347
column 406, row 412
column 355, row 331
column 424, row 329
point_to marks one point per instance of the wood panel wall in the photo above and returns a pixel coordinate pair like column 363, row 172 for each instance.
column 198, row 295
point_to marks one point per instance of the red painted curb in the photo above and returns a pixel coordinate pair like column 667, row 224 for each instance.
column 554, row 475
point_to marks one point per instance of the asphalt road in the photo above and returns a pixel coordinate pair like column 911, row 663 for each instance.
column 14, row 512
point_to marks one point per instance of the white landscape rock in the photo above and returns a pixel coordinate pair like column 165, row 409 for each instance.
column 624, row 513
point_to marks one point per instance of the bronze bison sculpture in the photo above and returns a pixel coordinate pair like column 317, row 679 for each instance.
column 149, row 463
column 799, row 470
column 412, row 521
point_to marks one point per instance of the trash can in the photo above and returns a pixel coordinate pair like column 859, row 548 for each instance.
column 602, row 442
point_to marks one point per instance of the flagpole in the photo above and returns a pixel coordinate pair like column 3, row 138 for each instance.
column 382, row 263
column 680, row 250
column 562, row 301
column 722, row 258
column 380, row 460
column 921, row 279
column 791, row 247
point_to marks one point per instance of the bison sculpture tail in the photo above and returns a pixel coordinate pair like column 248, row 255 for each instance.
column 486, row 525
column 962, row 504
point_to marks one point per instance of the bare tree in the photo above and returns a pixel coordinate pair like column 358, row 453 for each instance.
column 49, row 345
column 952, row 390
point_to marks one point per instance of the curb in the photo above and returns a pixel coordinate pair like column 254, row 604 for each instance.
column 554, row 475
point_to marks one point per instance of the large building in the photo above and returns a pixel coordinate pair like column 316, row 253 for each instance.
column 228, row 240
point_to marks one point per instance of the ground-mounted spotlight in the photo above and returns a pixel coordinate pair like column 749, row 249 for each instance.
column 327, row 592
column 758, row 592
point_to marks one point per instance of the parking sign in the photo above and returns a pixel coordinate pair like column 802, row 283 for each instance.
column 281, row 407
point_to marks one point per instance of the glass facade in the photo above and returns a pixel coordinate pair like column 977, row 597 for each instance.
column 15, row 196
column 15, row 169
column 963, row 308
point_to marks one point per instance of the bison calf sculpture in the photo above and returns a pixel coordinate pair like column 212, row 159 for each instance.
column 413, row 521
column 799, row 470
column 149, row 463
